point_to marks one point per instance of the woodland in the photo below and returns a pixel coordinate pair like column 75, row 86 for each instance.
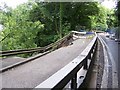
column 37, row 24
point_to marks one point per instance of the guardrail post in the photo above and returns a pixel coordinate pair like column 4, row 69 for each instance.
column 74, row 82
column 89, row 56
column 85, row 66
column 92, row 50
column 95, row 46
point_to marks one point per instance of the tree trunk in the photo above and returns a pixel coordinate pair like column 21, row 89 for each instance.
column 56, row 26
column 61, row 9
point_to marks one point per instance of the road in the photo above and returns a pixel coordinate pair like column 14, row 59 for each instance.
column 30, row 74
column 114, row 48
column 10, row 61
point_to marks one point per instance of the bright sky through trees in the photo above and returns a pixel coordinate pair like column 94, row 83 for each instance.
column 109, row 3
column 13, row 3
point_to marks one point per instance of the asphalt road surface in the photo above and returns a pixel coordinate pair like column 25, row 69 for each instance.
column 10, row 61
column 114, row 48
column 30, row 74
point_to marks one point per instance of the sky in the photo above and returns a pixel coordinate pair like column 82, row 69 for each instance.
column 109, row 3
column 13, row 3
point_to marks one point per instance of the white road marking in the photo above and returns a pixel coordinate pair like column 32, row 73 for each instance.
column 114, row 70
column 105, row 72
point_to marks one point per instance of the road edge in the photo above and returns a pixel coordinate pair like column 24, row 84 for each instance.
column 108, row 56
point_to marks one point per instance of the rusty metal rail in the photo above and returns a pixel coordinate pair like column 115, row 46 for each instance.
column 38, row 49
column 69, row 73
column 45, row 50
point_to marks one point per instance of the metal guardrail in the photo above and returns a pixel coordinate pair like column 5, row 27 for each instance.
column 69, row 73
column 39, row 49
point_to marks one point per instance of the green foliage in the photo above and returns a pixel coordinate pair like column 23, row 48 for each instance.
column 37, row 24
column 118, row 12
column 72, row 13
column 19, row 32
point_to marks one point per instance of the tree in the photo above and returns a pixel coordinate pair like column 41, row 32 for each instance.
column 61, row 16
column 37, row 24
column 118, row 10
column 19, row 32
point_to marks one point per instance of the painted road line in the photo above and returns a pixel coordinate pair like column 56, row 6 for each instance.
column 105, row 72
column 111, row 65
column 114, row 70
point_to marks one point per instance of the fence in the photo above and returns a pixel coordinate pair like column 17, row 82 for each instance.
column 69, row 73
column 39, row 49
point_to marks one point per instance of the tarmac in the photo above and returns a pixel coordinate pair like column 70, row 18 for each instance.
column 30, row 74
